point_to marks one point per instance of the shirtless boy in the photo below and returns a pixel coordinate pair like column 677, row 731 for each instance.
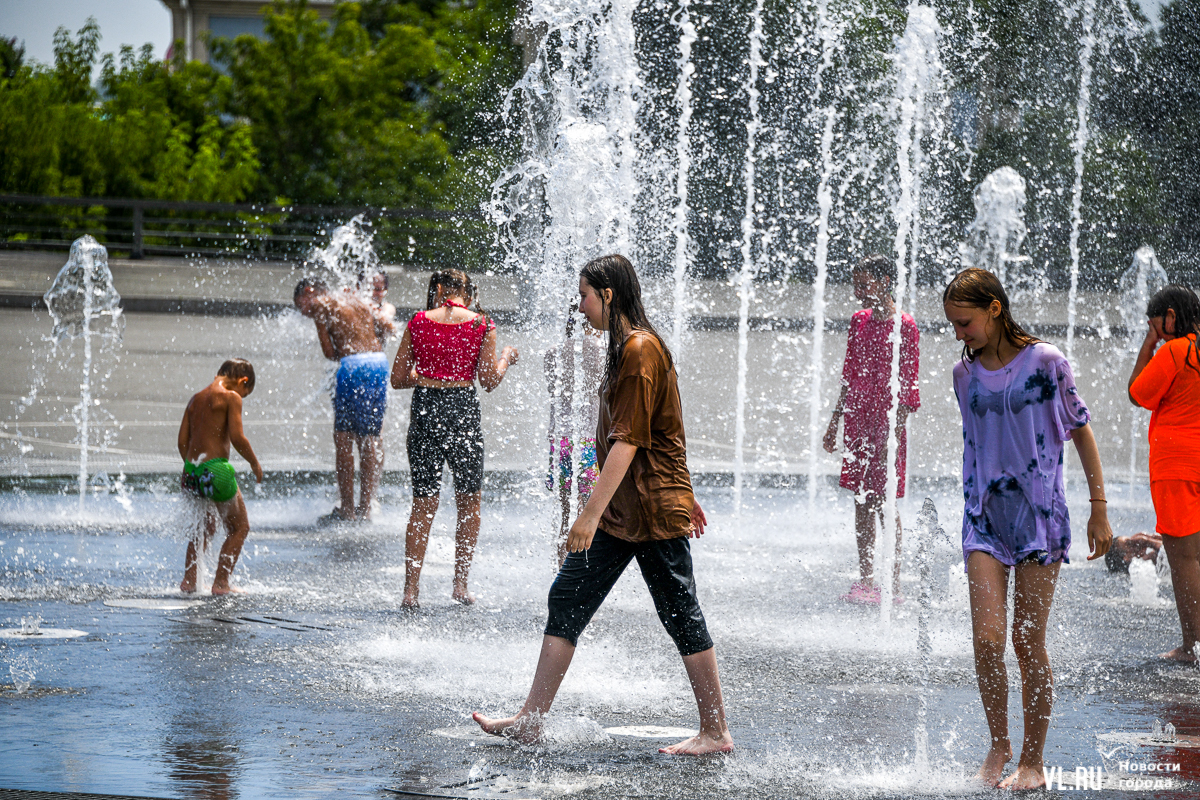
column 211, row 423
column 349, row 330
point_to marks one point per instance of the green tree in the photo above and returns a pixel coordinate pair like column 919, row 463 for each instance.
column 143, row 131
column 371, row 107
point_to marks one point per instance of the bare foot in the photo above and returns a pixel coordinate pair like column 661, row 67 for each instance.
column 702, row 744
column 992, row 768
column 525, row 729
column 1025, row 778
column 409, row 603
column 464, row 597
column 223, row 590
column 188, row 587
column 1181, row 655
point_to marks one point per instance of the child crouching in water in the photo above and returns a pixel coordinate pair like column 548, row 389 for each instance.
column 864, row 404
column 1019, row 406
column 641, row 507
column 211, row 422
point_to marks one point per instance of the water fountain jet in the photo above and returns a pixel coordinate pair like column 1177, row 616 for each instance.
column 82, row 292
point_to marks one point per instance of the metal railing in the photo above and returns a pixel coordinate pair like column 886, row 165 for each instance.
column 138, row 228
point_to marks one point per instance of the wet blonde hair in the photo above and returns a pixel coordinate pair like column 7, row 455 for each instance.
column 978, row 288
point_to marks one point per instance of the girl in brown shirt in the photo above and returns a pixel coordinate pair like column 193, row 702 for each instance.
column 641, row 507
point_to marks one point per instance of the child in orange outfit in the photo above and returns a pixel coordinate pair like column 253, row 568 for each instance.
column 1168, row 383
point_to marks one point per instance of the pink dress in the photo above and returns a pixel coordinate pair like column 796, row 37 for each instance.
column 867, row 376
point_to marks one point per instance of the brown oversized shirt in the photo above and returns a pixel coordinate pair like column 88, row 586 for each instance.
column 641, row 407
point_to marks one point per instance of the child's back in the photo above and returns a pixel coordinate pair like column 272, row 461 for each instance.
column 212, row 423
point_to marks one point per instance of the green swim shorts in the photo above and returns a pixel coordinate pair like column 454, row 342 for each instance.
column 214, row 479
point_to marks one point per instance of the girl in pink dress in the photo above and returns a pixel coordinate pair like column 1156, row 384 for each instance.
column 864, row 404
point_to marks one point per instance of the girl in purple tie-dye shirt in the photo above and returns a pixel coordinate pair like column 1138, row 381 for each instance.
column 1019, row 407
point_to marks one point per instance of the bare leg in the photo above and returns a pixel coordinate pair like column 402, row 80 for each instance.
column 237, row 526
column 343, row 447
column 466, row 535
column 370, row 459
column 706, row 686
column 415, row 540
column 1032, row 596
column 552, row 667
column 987, row 580
column 866, row 509
column 191, row 559
column 896, row 563
column 1183, row 554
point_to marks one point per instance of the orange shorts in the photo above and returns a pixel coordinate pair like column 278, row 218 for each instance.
column 1177, row 505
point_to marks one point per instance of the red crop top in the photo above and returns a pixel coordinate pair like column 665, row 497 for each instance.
column 447, row 351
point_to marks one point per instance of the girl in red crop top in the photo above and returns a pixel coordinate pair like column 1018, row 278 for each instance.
column 444, row 349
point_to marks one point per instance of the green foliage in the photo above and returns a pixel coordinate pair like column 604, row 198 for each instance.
column 388, row 103
column 377, row 105
column 143, row 131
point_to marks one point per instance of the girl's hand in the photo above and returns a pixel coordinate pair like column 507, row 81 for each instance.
column 510, row 355
column 1154, row 333
column 1099, row 532
column 830, row 441
column 581, row 535
column 698, row 521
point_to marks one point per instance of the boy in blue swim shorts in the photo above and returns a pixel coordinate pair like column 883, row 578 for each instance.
column 350, row 331
column 211, row 423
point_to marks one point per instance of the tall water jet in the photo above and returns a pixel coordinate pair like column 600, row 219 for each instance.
column 746, row 275
column 918, row 75
column 829, row 38
column 927, row 531
column 683, row 161
column 996, row 235
column 571, row 195
column 1086, row 45
column 83, row 291
column 1141, row 281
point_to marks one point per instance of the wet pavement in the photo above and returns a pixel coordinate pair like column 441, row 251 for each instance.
column 312, row 683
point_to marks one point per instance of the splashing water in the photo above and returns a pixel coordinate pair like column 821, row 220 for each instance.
column 829, row 38
column 997, row 234
column 349, row 254
column 569, row 198
column 1144, row 278
column 918, row 78
column 745, row 284
column 683, row 157
column 31, row 626
column 21, row 670
column 1143, row 583
column 1086, row 46
column 83, row 291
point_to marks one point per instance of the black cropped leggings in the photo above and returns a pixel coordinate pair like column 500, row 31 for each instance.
column 586, row 578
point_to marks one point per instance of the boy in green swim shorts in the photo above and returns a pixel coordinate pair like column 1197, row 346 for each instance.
column 211, row 423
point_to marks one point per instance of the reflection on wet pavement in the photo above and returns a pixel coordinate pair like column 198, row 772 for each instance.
column 313, row 682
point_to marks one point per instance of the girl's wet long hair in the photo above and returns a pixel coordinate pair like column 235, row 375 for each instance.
column 977, row 288
column 616, row 273
column 1186, row 305
column 454, row 282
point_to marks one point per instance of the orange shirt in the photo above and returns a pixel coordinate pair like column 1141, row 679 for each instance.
column 1171, row 389
column 642, row 407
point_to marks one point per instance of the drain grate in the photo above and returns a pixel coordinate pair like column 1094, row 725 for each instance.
column 493, row 787
column 34, row 794
column 281, row 623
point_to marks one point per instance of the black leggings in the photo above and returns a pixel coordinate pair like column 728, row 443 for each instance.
column 444, row 426
column 586, row 578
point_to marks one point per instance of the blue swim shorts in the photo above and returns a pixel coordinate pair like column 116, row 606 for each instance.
column 361, row 397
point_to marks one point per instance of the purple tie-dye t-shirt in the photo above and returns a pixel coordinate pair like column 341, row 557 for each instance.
column 1015, row 422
